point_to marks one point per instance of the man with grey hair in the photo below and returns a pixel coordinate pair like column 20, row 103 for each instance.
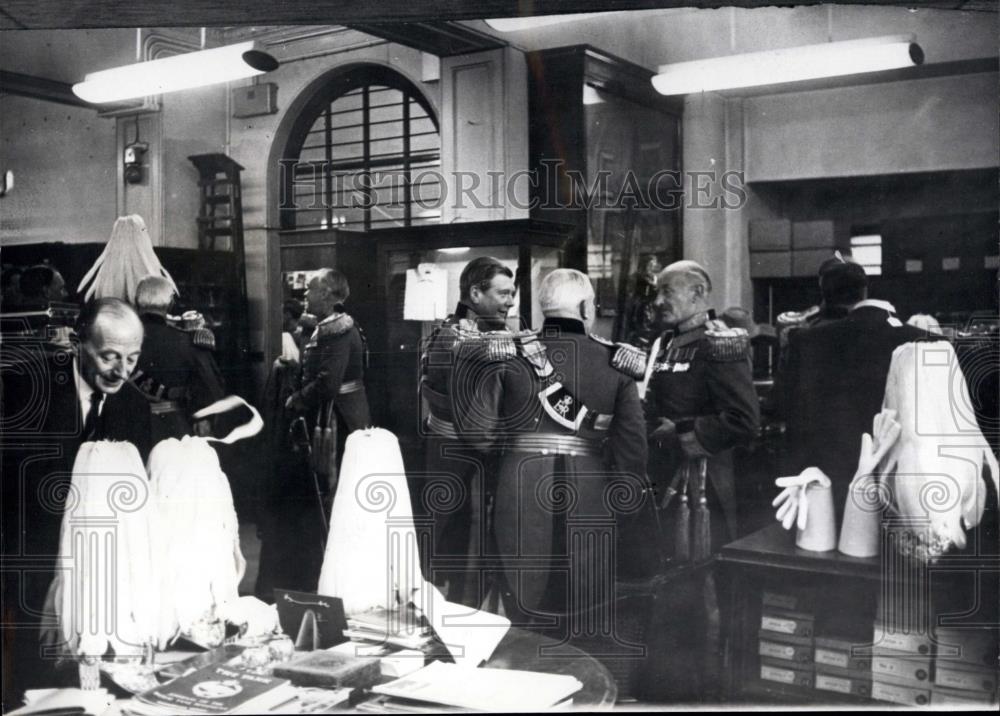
column 177, row 371
column 700, row 404
column 561, row 402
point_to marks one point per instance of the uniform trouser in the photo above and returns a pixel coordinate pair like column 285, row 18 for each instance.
column 455, row 497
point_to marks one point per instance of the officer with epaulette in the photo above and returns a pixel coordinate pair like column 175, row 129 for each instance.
column 460, row 472
column 328, row 400
column 574, row 456
column 700, row 404
column 176, row 370
column 332, row 383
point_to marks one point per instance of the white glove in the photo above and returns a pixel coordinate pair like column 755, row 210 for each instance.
column 886, row 432
column 794, row 507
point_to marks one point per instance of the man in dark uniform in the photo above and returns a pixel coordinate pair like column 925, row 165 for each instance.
column 459, row 474
column 833, row 382
column 574, row 458
column 53, row 401
column 700, row 404
column 331, row 389
column 176, row 370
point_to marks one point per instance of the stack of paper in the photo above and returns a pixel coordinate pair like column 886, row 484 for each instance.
column 39, row 701
column 482, row 689
column 399, row 627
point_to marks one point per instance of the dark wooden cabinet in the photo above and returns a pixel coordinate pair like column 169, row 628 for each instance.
column 607, row 151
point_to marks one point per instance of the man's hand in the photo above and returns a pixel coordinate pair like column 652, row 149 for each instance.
column 295, row 403
column 664, row 431
column 691, row 446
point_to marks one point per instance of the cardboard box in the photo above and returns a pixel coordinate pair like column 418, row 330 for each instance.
column 884, row 689
column 839, row 653
column 784, row 647
column 806, row 262
column 813, row 235
column 770, row 264
column 847, row 682
column 891, row 640
column 965, row 677
column 787, row 622
column 784, row 672
column 912, row 668
column 968, row 646
column 941, row 696
column 770, row 235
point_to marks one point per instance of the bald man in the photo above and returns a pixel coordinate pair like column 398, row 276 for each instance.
column 54, row 400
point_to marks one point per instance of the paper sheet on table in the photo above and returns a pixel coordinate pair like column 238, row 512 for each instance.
column 470, row 635
column 496, row 690
column 38, row 700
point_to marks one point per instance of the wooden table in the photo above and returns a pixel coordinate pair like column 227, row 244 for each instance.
column 526, row 651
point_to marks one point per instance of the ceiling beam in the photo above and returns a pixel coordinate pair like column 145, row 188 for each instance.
column 39, row 14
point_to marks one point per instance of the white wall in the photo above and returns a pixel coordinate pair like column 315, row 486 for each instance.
column 937, row 124
column 64, row 173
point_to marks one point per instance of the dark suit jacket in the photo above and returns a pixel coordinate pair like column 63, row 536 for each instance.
column 41, row 434
column 832, row 388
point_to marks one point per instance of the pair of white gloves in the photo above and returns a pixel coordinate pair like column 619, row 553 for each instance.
column 792, row 504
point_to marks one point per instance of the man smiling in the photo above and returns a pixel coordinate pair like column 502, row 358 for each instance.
column 53, row 401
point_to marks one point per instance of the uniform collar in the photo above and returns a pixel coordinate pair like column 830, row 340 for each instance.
column 564, row 325
column 331, row 318
column 696, row 321
column 874, row 303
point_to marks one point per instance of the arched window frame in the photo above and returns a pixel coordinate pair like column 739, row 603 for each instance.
column 357, row 77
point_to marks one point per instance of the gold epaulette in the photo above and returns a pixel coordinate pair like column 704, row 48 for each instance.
column 203, row 338
column 489, row 346
column 629, row 360
column 725, row 343
column 340, row 324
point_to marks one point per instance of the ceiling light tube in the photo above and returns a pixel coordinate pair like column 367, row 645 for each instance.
column 187, row 71
column 793, row 64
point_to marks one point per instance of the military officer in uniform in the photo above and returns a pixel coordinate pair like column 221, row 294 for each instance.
column 574, row 456
column 701, row 401
column 459, row 471
column 176, row 371
column 700, row 404
column 329, row 401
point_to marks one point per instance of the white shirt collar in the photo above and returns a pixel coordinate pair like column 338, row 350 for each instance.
column 84, row 391
column 874, row 303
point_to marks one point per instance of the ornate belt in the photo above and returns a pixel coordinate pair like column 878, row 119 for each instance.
column 440, row 427
column 351, row 386
column 554, row 444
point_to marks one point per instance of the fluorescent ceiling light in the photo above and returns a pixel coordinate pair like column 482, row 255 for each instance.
column 516, row 24
column 187, row 71
column 793, row 64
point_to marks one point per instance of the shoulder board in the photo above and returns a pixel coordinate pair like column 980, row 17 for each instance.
column 488, row 346
column 203, row 338
column 335, row 326
column 629, row 360
column 725, row 343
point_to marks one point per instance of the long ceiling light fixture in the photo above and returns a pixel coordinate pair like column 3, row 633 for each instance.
column 793, row 64
column 180, row 72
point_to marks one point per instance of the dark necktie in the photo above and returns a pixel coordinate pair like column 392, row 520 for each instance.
column 92, row 423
